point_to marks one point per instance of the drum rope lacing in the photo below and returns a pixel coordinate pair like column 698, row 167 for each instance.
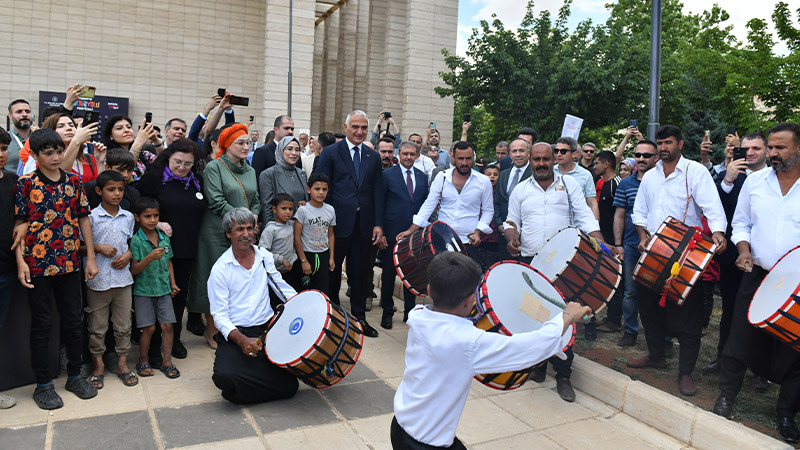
column 329, row 366
column 677, row 265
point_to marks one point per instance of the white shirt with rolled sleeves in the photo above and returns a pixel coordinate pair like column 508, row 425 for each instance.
column 471, row 209
column 239, row 297
column 689, row 184
column 539, row 214
column 443, row 353
column 766, row 219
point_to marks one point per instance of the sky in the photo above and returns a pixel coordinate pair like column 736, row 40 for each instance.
column 511, row 13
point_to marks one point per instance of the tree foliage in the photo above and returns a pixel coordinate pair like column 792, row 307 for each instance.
column 534, row 75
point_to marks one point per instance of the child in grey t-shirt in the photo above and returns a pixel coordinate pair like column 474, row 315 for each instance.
column 278, row 237
column 313, row 236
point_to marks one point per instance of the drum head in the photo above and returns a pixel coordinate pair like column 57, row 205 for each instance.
column 444, row 239
column 519, row 307
column 299, row 327
column 552, row 258
column 777, row 288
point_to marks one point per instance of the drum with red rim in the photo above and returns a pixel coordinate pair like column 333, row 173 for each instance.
column 776, row 304
column 515, row 298
column 314, row 339
column 413, row 254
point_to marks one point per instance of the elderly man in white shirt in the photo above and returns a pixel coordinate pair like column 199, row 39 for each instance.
column 766, row 225
column 682, row 189
column 537, row 209
column 239, row 298
column 465, row 201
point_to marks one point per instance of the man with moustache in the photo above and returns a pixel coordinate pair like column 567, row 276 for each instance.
column 765, row 228
column 537, row 209
column 19, row 111
column 241, row 309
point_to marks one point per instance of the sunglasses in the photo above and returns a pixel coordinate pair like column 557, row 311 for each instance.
column 644, row 155
column 588, row 151
column 562, row 151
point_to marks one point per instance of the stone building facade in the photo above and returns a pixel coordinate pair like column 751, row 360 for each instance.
column 170, row 56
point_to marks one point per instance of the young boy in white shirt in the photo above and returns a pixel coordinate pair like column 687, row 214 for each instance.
column 445, row 350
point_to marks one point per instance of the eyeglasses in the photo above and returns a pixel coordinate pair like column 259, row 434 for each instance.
column 562, row 151
column 644, row 155
column 180, row 163
column 240, row 142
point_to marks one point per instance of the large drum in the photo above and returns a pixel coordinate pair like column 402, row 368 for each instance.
column 775, row 306
column 515, row 298
column 315, row 340
column 675, row 258
column 413, row 254
column 577, row 270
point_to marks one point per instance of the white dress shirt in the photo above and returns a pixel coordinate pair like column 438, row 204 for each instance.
column 238, row 296
column 426, row 165
column 689, row 184
column 464, row 212
column 539, row 214
column 514, row 170
column 766, row 218
column 443, row 353
column 403, row 171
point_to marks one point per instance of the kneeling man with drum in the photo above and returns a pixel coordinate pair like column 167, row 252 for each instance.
column 239, row 298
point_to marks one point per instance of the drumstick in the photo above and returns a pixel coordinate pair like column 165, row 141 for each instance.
column 554, row 301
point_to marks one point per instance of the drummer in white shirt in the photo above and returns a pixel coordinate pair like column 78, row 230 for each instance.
column 239, row 298
column 766, row 225
column 682, row 189
column 537, row 209
column 445, row 350
column 465, row 201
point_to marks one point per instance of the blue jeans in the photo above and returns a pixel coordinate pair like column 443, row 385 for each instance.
column 630, row 305
column 7, row 283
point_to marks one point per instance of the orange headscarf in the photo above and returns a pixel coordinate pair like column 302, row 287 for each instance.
column 229, row 135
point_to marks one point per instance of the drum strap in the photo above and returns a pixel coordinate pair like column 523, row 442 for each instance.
column 273, row 284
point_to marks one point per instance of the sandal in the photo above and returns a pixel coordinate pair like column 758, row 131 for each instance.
column 170, row 371
column 141, row 367
column 96, row 380
column 128, row 379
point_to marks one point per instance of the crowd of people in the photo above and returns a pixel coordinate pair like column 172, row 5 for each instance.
column 134, row 229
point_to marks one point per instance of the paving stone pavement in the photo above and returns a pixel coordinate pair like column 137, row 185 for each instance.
column 355, row 414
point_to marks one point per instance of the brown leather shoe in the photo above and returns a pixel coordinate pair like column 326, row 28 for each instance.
column 686, row 385
column 641, row 363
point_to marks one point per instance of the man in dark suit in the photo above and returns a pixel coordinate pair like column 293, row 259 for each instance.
column 264, row 156
column 406, row 189
column 729, row 184
column 519, row 152
column 356, row 193
column 529, row 135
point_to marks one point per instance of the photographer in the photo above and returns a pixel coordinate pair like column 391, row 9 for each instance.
column 385, row 126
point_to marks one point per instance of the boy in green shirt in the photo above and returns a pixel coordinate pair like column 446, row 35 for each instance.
column 154, row 286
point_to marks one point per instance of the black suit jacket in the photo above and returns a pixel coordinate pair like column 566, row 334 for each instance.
column 348, row 194
column 501, row 196
column 399, row 207
column 729, row 202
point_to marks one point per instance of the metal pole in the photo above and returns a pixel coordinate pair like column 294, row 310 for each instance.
column 289, row 105
column 655, row 69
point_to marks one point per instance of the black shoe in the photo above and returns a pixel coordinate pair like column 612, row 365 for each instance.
column 386, row 321
column 564, row 389
column 539, row 373
column 371, row 294
column 46, row 397
column 723, row 407
column 590, row 332
column 627, row 340
column 669, row 349
column 196, row 327
column 405, row 317
column 608, row 327
column 81, row 387
column 788, row 429
column 179, row 350
column 711, row 369
column 760, row 384
column 368, row 330
column 348, row 292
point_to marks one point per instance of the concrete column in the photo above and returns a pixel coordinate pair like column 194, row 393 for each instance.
column 317, row 85
column 393, row 91
column 376, row 56
column 331, row 71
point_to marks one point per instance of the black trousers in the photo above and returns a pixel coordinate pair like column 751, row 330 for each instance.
column 403, row 441
column 356, row 249
column 319, row 280
column 683, row 322
column 748, row 346
column 730, row 278
column 563, row 368
column 244, row 379
column 66, row 289
column 387, row 283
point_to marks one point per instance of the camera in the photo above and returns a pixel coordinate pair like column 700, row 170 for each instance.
column 387, row 114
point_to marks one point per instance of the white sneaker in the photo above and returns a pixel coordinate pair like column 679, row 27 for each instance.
column 7, row 401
